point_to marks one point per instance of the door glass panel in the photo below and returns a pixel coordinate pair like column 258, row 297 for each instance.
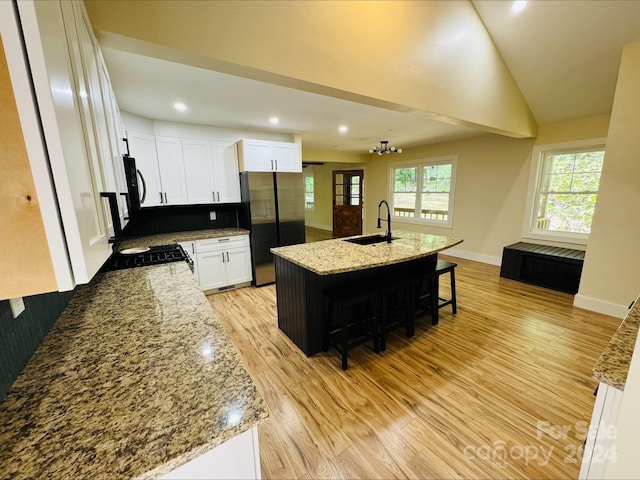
column 339, row 200
column 355, row 200
column 338, row 178
column 339, row 190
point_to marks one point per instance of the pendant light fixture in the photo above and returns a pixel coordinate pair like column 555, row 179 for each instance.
column 384, row 148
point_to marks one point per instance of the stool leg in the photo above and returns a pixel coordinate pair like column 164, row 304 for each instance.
column 345, row 336
column 454, row 305
column 435, row 295
column 410, row 309
column 375, row 328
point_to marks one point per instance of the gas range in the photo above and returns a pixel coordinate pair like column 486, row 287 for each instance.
column 144, row 257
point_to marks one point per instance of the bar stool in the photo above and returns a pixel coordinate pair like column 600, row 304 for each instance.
column 398, row 307
column 443, row 267
column 352, row 318
column 429, row 299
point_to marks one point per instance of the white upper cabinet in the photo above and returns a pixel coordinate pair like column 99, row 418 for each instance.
column 225, row 174
column 198, row 167
column 172, row 172
column 211, row 170
column 268, row 156
column 185, row 171
column 74, row 157
column 142, row 147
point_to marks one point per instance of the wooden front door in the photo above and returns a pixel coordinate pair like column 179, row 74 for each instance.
column 347, row 202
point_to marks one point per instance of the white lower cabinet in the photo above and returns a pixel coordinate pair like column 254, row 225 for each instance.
column 600, row 446
column 220, row 262
column 238, row 458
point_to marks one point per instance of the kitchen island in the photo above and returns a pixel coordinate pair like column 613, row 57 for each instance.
column 136, row 378
column 306, row 271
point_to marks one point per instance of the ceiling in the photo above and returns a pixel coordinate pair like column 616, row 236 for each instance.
column 564, row 56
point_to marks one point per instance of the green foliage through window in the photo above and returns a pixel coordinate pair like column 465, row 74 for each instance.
column 568, row 190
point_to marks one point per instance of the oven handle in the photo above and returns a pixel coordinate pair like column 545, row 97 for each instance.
column 144, row 186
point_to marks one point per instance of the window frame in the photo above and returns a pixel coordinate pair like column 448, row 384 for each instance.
column 538, row 155
column 420, row 164
column 309, row 174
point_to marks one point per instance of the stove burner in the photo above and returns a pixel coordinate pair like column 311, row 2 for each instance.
column 154, row 256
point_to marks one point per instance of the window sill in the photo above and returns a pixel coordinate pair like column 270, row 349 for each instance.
column 561, row 237
column 420, row 221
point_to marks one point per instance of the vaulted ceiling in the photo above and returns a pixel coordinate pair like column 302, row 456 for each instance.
column 563, row 56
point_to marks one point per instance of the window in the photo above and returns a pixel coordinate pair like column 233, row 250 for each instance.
column 423, row 192
column 565, row 181
column 309, row 193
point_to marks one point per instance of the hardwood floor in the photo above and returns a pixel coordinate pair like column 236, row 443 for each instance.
column 503, row 389
column 317, row 234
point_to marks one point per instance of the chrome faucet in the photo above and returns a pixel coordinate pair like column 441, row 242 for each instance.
column 388, row 232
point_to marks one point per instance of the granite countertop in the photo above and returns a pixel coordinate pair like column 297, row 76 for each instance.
column 136, row 378
column 337, row 256
column 176, row 237
column 613, row 365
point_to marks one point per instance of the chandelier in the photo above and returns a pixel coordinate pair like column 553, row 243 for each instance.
column 384, row 148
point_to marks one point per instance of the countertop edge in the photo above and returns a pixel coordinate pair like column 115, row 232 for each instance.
column 612, row 366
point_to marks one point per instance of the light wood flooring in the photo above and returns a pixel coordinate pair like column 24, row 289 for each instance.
column 317, row 234
column 501, row 390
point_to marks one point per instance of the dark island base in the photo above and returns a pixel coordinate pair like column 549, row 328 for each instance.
column 300, row 294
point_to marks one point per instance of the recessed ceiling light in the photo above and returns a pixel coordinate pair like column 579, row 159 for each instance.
column 181, row 107
column 343, row 129
column 518, row 6
column 274, row 120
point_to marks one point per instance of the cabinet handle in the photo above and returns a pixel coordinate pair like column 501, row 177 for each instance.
column 276, row 164
column 193, row 248
column 224, row 239
column 227, row 256
column 165, row 197
column 161, row 201
column 214, row 196
column 271, row 164
column 218, row 196
column 222, row 257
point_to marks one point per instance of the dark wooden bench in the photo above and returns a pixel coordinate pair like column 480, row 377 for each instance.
column 556, row 268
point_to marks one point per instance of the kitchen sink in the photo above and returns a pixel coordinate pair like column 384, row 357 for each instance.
column 369, row 239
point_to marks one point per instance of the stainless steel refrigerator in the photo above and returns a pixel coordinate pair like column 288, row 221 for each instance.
column 272, row 210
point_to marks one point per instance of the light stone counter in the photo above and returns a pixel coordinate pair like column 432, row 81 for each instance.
column 613, row 365
column 329, row 257
column 176, row 237
column 136, row 378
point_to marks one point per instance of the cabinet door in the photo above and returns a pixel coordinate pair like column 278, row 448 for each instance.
column 142, row 147
column 212, row 269
column 225, row 174
column 238, row 265
column 172, row 174
column 74, row 170
column 287, row 157
column 256, row 156
column 198, row 167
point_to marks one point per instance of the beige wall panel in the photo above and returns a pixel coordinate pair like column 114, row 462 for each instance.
column 491, row 184
column 573, row 130
column 434, row 57
column 612, row 265
column 25, row 260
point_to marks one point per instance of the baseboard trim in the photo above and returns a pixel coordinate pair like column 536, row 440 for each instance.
column 477, row 257
column 319, row 226
column 600, row 306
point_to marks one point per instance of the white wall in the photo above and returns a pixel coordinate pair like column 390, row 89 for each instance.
column 611, row 274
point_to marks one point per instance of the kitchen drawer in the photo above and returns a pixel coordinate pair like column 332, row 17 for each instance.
column 214, row 244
